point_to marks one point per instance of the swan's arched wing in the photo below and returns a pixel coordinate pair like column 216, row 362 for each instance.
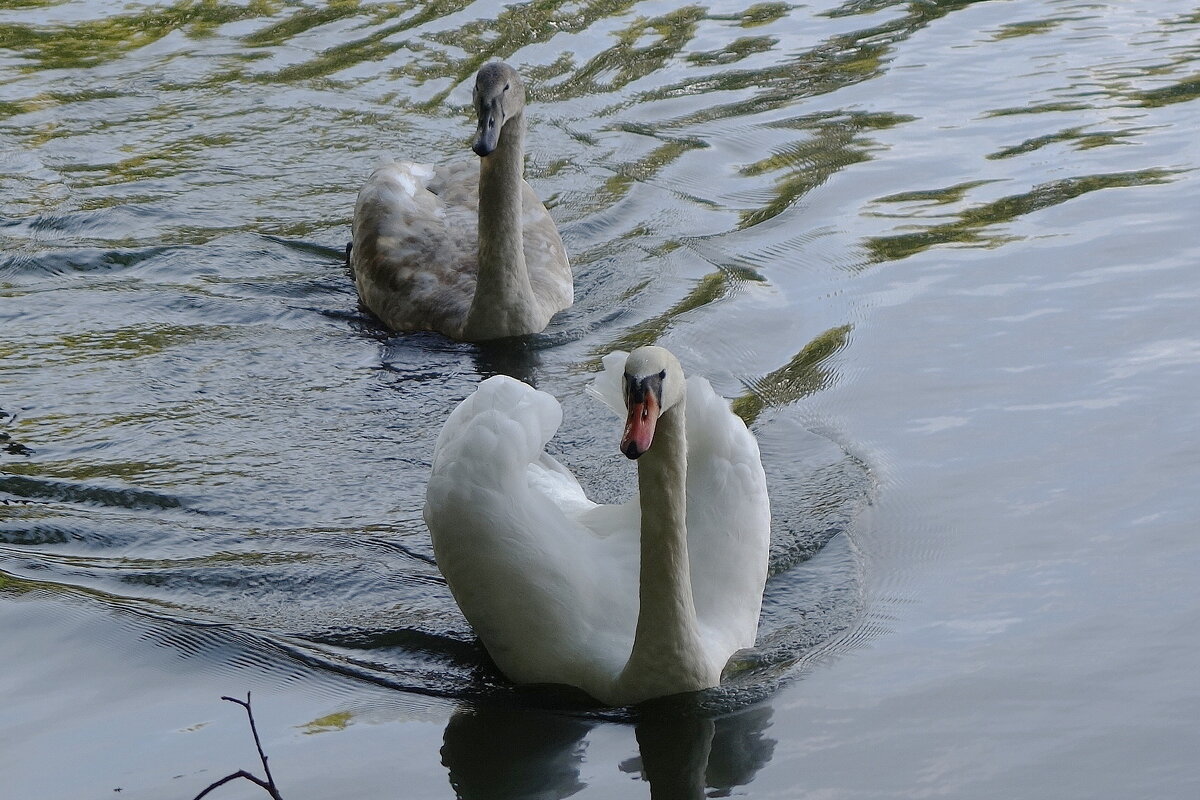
column 728, row 518
column 414, row 244
column 551, row 600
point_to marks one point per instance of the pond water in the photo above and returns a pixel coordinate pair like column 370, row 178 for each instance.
column 940, row 255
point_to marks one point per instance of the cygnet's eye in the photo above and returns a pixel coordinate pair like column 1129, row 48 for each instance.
column 506, row 87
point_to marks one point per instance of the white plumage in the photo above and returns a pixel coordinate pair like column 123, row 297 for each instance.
column 553, row 583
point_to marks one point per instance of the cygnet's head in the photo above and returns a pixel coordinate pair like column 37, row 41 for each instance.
column 653, row 383
column 499, row 96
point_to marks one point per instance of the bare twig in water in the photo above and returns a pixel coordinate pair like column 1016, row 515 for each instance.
column 268, row 785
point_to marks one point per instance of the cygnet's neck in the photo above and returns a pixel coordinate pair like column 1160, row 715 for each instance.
column 667, row 657
column 503, row 304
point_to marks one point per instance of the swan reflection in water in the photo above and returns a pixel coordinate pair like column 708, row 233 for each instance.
column 517, row 358
column 503, row 752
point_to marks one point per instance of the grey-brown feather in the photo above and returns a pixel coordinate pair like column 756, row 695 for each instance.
column 415, row 253
column 415, row 257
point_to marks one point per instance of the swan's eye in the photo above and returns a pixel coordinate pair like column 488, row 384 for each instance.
column 662, row 374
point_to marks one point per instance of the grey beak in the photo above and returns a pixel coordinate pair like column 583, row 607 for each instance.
column 487, row 136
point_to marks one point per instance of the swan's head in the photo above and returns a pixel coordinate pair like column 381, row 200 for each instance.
column 653, row 383
column 499, row 96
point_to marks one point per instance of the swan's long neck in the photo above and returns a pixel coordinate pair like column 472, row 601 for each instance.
column 503, row 298
column 667, row 657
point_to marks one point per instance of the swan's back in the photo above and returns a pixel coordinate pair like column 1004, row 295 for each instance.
column 415, row 247
column 415, row 242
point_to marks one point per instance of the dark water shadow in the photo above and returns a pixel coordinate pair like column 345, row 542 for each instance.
column 516, row 357
column 506, row 752
column 428, row 353
column 685, row 750
column 428, row 357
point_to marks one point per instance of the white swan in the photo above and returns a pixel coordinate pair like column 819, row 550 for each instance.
column 469, row 252
column 626, row 602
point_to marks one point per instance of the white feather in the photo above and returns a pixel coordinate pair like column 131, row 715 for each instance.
column 549, row 579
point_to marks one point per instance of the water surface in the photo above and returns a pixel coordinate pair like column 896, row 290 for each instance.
column 940, row 256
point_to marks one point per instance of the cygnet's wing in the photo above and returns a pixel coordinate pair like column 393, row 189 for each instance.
column 414, row 248
column 552, row 601
column 545, row 255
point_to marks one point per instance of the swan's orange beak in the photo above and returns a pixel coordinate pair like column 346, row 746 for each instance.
column 639, row 427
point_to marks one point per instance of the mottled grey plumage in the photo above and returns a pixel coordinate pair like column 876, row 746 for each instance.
column 468, row 251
